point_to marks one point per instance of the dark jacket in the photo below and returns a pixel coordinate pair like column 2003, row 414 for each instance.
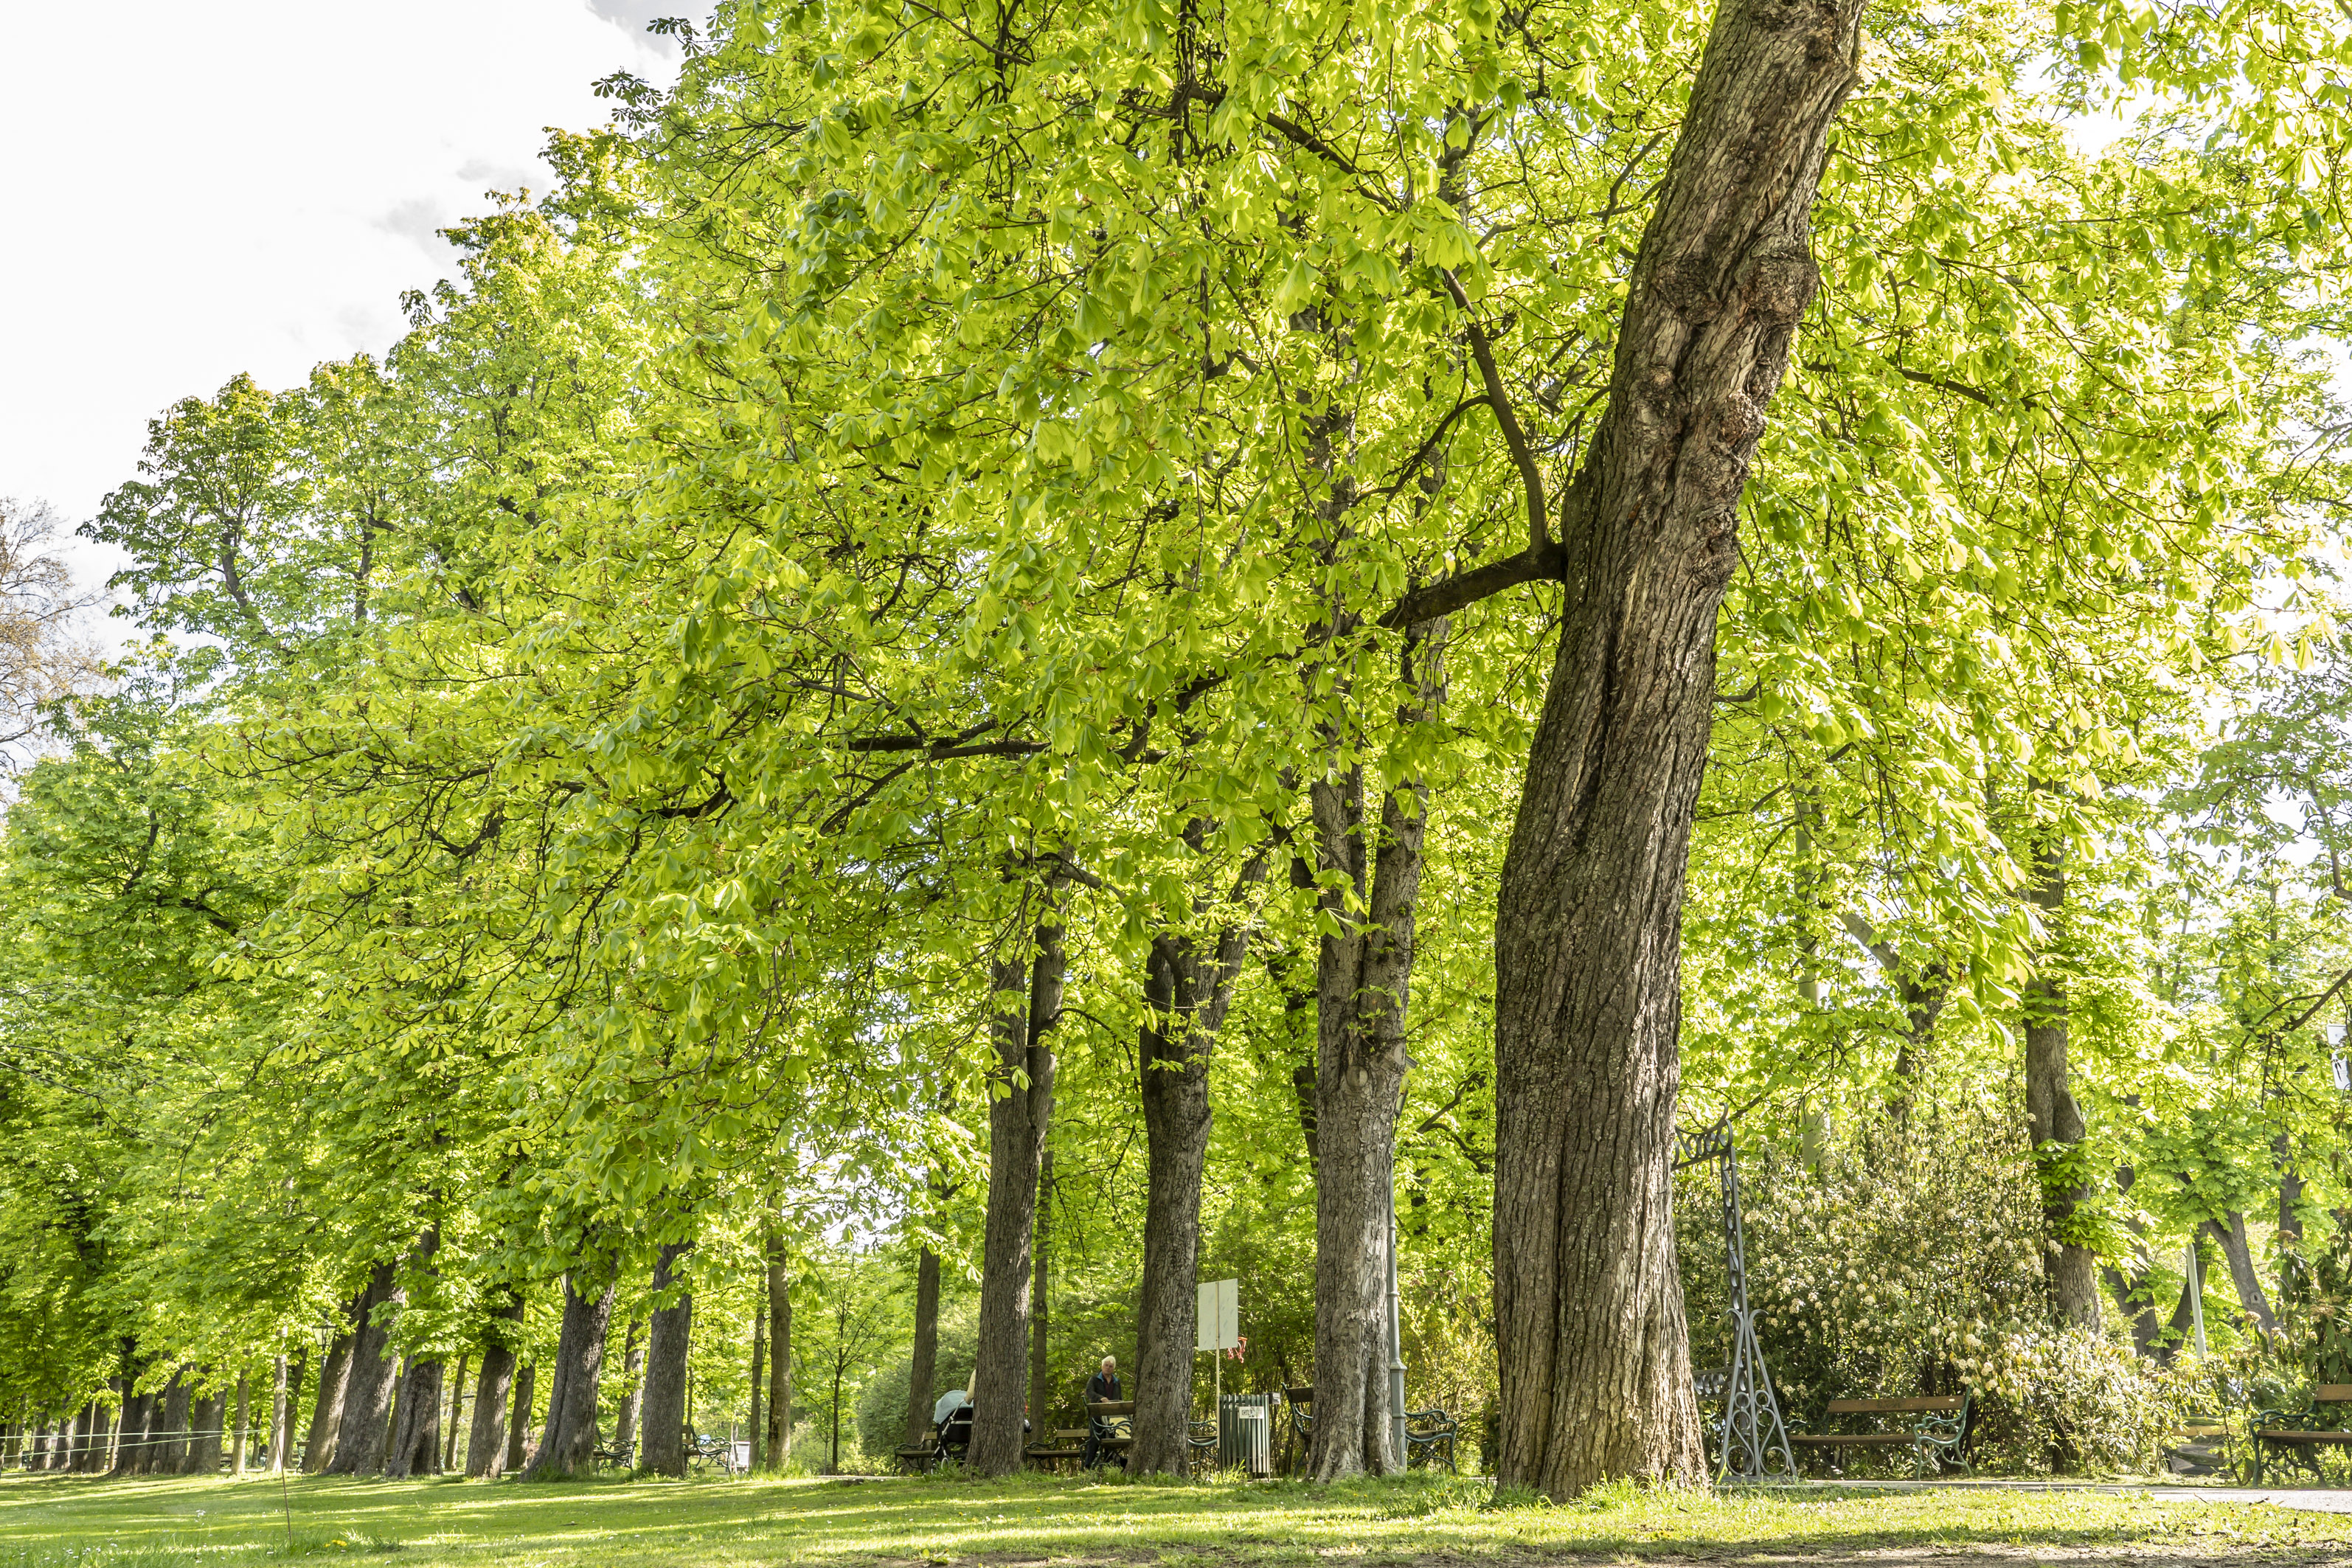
column 1101, row 1390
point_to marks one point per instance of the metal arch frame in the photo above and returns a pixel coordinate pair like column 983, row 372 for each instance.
column 1751, row 1427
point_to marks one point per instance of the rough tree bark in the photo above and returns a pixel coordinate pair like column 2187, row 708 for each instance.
column 1591, row 1344
column 367, row 1393
column 1187, row 988
column 485, row 1445
column 170, row 1440
column 334, row 1383
column 924, row 1366
column 133, row 1454
column 569, row 1441
column 204, row 1423
column 518, row 1444
column 779, row 1437
column 665, row 1406
column 1021, row 1106
column 92, row 1438
column 2053, row 1121
column 416, row 1431
column 1363, row 975
column 633, row 1391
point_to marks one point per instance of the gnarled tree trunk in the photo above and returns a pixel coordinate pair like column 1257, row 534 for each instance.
column 205, row 1424
column 665, row 1406
column 1021, row 1106
column 519, row 1451
column 1591, row 1345
column 334, row 1383
column 485, row 1445
column 367, row 1393
column 569, row 1442
column 416, row 1432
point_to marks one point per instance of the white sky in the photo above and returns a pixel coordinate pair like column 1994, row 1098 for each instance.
column 192, row 190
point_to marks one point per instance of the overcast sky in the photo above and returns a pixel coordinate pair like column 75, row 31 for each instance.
column 193, row 190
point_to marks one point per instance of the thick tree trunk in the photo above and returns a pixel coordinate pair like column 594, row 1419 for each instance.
column 2054, row 1120
column 568, row 1444
column 779, row 1438
column 334, row 1383
column 133, row 1455
column 1591, row 1343
column 1041, row 1294
column 1188, row 987
column 368, row 1391
column 923, row 1370
column 633, row 1391
column 206, row 1417
column 242, row 1424
column 416, row 1430
column 518, row 1444
column 171, row 1450
column 92, row 1437
column 1021, row 1106
column 665, row 1406
column 485, row 1443
column 2236, row 1248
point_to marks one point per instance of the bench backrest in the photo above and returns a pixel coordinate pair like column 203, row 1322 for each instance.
column 1112, row 1407
column 1301, row 1395
column 2333, row 1394
column 1902, row 1406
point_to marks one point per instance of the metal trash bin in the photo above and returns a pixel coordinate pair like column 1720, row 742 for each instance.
column 1245, row 1433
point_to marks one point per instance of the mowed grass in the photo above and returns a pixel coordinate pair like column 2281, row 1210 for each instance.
column 73, row 1523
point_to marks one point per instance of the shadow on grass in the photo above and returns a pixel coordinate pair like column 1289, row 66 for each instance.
column 78, row 1522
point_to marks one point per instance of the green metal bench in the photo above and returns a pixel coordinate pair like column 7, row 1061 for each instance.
column 2297, row 1430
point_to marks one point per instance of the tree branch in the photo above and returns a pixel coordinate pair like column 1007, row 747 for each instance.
column 1538, row 532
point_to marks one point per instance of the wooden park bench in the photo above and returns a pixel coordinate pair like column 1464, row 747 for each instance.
column 1300, row 1403
column 2298, row 1432
column 917, row 1458
column 1059, row 1444
column 2196, row 1446
column 1113, row 1421
column 1935, row 1430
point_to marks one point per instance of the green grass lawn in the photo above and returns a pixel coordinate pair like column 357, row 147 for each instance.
column 714, row 1523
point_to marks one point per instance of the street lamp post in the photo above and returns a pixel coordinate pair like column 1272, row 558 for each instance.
column 1396, row 1337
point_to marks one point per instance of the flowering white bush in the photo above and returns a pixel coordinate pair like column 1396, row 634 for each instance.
column 1903, row 1262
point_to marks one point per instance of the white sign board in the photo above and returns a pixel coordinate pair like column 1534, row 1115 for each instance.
column 1218, row 1325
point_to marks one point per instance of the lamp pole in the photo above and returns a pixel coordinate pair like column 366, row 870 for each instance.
column 1396, row 1335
